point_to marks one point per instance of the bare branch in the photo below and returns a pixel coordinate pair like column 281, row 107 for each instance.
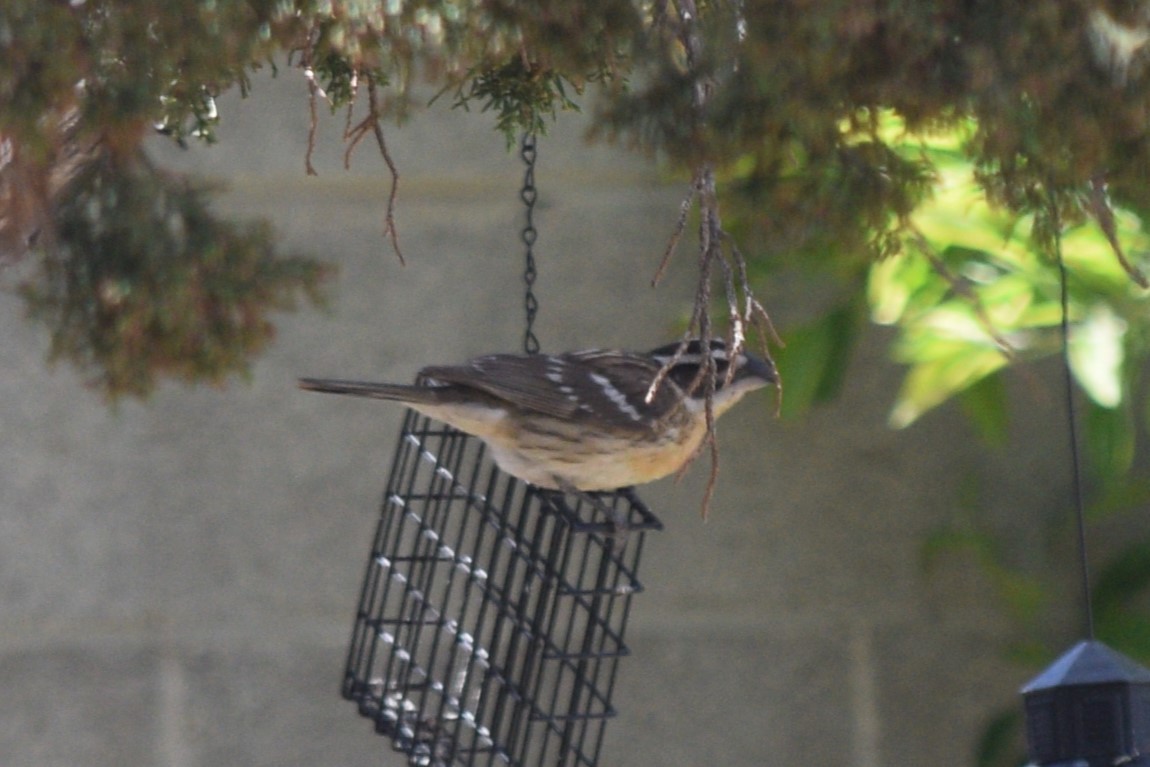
column 313, row 93
column 737, row 332
column 389, row 217
column 753, row 312
column 1104, row 215
column 715, row 246
column 963, row 290
column 371, row 124
column 350, row 113
column 352, row 134
column 677, row 234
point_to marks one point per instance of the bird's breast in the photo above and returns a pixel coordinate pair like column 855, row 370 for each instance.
column 596, row 461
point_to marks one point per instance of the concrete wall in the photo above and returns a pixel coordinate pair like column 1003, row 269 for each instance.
column 178, row 577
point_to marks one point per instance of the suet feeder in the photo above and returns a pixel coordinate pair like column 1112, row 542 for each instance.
column 1090, row 708
column 492, row 614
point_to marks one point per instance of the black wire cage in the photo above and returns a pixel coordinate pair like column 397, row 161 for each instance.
column 492, row 615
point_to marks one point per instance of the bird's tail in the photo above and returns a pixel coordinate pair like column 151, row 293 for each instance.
column 398, row 392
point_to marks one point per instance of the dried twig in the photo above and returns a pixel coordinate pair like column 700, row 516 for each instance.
column 352, row 134
column 753, row 311
column 709, row 246
column 677, row 234
column 715, row 247
column 314, row 93
column 1104, row 215
column 350, row 112
column 371, row 124
column 963, row 290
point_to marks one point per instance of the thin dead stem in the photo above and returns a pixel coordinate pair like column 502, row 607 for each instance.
column 677, row 234
column 716, row 247
column 353, row 134
column 1104, row 215
column 717, row 251
column 389, row 229
column 313, row 92
column 371, row 124
column 350, row 114
column 963, row 290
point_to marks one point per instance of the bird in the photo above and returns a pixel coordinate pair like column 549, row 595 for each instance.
column 581, row 421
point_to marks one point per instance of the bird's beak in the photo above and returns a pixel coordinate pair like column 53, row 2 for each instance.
column 760, row 368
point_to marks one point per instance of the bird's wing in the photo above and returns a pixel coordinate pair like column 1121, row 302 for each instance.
column 578, row 385
column 620, row 383
column 529, row 382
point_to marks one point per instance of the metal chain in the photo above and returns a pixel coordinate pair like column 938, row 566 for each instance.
column 529, row 194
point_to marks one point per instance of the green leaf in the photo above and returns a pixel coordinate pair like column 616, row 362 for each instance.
column 958, row 540
column 984, row 403
column 1122, row 494
column 1000, row 744
column 1022, row 595
column 1120, row 586
column 1124, row 577
column 894, row 286
column 976, row 268
column 1129, row 631
column 1110, row 441
column 1097, row 354
column 1028, row 652
column 814, row 361
column 931, row 382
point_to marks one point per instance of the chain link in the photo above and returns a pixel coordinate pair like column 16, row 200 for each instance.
column 528, row 195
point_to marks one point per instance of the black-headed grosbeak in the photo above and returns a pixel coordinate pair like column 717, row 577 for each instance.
column 584, row 420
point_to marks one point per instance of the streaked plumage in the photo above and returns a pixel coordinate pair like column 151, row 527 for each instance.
column 576, row 420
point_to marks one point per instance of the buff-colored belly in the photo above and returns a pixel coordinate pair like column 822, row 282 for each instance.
column 560, row 450
column 610, row 466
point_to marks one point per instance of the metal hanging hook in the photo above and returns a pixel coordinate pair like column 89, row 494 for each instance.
column 528, row 194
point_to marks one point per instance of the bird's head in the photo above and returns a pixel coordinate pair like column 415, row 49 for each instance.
column 735, row 375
